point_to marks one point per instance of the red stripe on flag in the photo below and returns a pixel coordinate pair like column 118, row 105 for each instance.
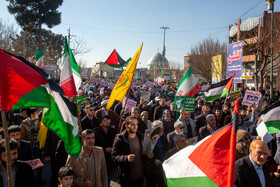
column 113, row 58
column 216, row 156
column 17, row 79
column 229, row 84
column 193, row 91
column 67, row 86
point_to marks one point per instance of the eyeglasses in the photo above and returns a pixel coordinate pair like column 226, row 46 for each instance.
column 91, row 110
column 181, row 127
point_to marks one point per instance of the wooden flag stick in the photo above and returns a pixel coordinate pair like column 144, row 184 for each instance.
column 8, row 152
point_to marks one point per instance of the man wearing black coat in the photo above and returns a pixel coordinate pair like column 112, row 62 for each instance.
column 209, row 128
column 127, row 154
column 22, row 172
column 252, row 170
column 200, row 120
column 89, row 121
column 104, row 137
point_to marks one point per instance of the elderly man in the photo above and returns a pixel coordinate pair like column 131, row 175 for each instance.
column 178, row 129
column 200, row 120
column 209, row 128
column 187, row 122
column 252, row 170
column 180, row 143
column 90, row 166
column 159, row 109
column 168, row 122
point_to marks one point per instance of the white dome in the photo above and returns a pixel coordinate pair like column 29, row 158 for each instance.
column 158, row 58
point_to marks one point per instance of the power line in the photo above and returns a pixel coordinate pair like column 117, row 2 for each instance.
column 238, row 17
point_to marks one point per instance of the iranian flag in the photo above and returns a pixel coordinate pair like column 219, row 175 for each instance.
column 40, row 58
column 188, row 85
column 210, row 162
column 271, row 117
column 24, row 85
column 115, row 60
column 216, row 91
column 70, row 79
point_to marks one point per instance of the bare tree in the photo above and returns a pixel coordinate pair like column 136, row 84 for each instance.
column 79, row 46
column 7, row 32
column 201, row 57
column 258, row 43
column 176, row 70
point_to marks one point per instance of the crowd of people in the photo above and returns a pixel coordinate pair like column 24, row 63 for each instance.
column 112, row 141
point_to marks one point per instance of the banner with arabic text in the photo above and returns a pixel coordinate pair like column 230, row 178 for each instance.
column 234, row 61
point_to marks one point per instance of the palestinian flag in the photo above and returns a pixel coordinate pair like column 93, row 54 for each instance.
column 24, row 85
column 40, row 58
column 115, row 61
column 188, row 85
column 70, row 79
column 216, row 91
column 271, row 117
column 210, row 162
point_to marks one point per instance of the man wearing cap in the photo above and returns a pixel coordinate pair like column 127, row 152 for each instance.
column 114, row 117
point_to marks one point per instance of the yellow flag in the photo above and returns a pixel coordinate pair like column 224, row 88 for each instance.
column 42, row 134
column 125, row 80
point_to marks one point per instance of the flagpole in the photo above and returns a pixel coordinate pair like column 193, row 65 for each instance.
column 79, row 118
column 91, row 77
column 127, row 94
column 8, row 151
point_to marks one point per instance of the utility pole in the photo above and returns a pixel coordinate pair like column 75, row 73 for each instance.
column 270, row 6
column 164, row 29
column 69, row 36
column 164, row 49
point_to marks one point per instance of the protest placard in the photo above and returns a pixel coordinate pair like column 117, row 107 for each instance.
column 36, row 163
column 145, row 95
column 149, row 84
column 187, row 103
column 130, row 104
column 157, row 88
column 251, row 98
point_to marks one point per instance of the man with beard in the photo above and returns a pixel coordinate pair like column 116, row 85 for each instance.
column 126, row 153
column 168, row 122
column 22, row 172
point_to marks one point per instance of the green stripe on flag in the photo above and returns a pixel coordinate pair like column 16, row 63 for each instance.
column 190, row 181
column 215, row 97
column 42, row 99
column 273, row 126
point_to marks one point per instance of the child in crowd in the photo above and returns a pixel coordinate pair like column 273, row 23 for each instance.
column 65, row 177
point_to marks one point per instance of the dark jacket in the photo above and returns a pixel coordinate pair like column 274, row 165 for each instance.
column 158, row 112
column 24, row 175
column 170, row 153
column 120, row 152
column 246, row 175
column 105, row 140
column 88, row 123
column 221, row 120
column 203, row 132
column 24, row 150
column 170, row 138
column 199, row 121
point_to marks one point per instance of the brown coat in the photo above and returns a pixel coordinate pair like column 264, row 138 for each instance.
column 81, row 173
column 25, row 132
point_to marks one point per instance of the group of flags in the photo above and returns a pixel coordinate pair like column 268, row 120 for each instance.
column 24, row 85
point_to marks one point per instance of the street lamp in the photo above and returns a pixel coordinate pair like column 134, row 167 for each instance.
column 270, row 6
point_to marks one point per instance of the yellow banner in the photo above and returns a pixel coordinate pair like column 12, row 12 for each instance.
column 217, row 68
